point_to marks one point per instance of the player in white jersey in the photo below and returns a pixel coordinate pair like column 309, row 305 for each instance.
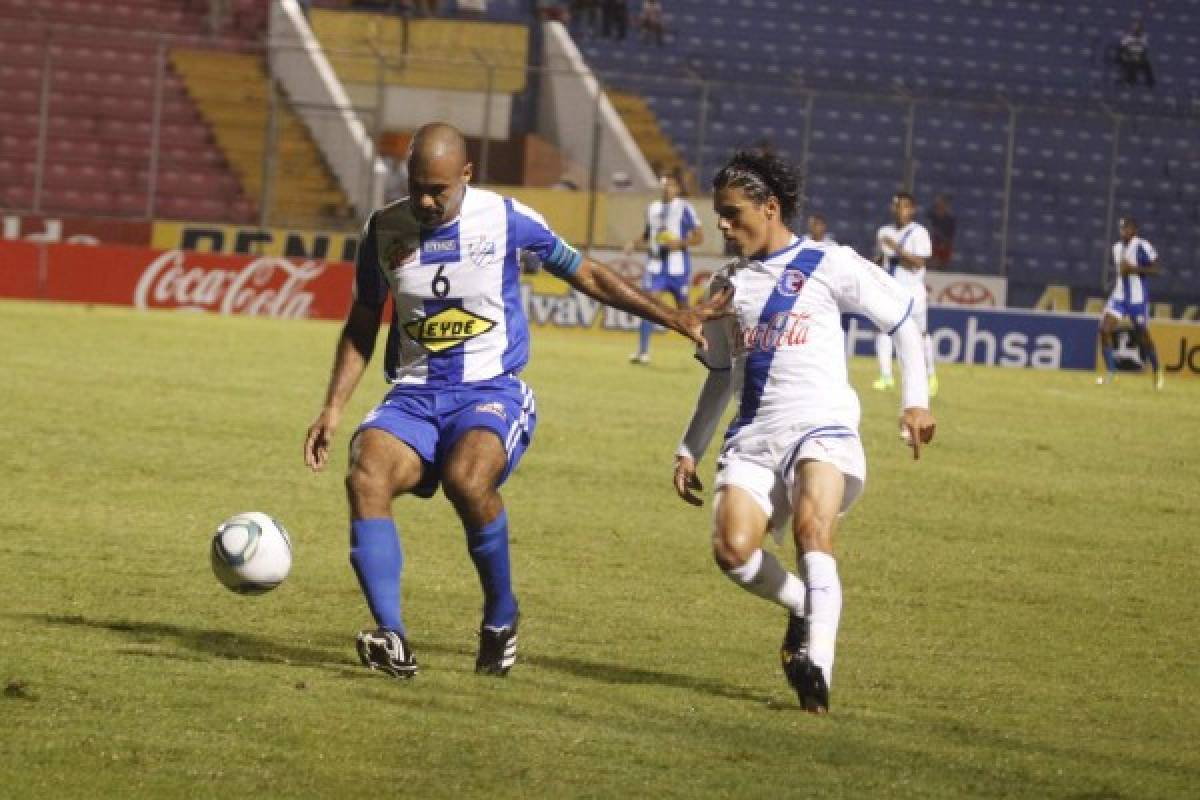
column 791, row 456
column 448, row 256
column 1134, row 259
column 672, row 227
column 903, row 250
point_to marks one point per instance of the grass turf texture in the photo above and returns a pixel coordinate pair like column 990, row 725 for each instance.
column 1020, row 610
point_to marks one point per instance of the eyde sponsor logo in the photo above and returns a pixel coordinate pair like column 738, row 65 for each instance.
column 267, row 286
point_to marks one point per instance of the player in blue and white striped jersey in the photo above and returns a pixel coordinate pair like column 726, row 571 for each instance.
column 458, row 415
column 791, row 457
column 904, row 250
column 672, row 228
column 1135, row 260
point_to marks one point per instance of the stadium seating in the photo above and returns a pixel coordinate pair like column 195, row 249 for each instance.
column 101, row 63
column 101, row 77
column 231, row 90
column 965, row 64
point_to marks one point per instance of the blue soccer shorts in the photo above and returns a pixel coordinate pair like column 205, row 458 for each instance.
column 432, row 420
column 677, row 285
column 1138, row 313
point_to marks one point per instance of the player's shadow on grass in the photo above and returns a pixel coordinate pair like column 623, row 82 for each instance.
column 206, row 641
column 146, row 639
column 622, row 674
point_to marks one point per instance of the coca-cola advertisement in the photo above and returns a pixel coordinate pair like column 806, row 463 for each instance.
column 176, row 279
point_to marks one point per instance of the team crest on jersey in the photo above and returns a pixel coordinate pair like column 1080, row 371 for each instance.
column 447, row 328
column 480, row 250
column 493, row 408
column 791, row 282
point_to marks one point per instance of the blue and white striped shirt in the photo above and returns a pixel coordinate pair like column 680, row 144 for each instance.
column 457, row 312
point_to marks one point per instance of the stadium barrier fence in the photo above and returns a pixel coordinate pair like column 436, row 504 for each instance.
column 293, row 288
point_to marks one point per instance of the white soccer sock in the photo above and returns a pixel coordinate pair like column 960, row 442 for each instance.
column 763, row 575
column 824, row 609
column 883, row 351
column 929, row 368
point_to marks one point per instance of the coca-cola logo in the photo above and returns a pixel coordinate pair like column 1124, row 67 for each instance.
column 966, row 293
column 267, row 286
column 784, row 329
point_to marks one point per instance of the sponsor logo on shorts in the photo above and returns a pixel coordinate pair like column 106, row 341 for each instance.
column 493, row 408
column 447, row 328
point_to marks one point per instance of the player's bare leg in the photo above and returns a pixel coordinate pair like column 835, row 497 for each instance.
column 381, row 467
column 469, row 478
column 1108, row 327
column 740, row 525
column 818, row 492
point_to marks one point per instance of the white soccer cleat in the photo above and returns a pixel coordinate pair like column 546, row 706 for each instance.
column 640, row 358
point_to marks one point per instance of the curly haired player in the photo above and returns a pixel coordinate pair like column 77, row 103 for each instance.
column 791, row 456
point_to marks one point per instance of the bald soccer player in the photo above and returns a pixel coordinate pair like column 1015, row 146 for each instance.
column 457, row 415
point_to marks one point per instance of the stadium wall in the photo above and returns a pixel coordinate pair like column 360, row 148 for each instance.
column 295, row 288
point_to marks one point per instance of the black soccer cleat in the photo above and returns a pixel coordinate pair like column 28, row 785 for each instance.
column 795, row 640
column 386, row 651
column 809, row 682
column 497, row 649
column 802, row 674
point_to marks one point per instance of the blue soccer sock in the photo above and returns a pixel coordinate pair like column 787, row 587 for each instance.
column 1108, row 359
column 378, row 560
column 1152, row 356
column 644, row 332
column 489, row 551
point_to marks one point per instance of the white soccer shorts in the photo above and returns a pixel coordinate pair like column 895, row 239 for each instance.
column 765, row 467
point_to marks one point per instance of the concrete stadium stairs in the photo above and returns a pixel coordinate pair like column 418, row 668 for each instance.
column 232, row 92
column 643, row 125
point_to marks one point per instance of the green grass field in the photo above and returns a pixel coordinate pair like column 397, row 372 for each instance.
column 1020, row 612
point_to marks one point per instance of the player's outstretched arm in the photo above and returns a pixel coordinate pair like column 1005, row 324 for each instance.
column 714, row 396
column 917, row 424
column 602, row 283
column 354, row 349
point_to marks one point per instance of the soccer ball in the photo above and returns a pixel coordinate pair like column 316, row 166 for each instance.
column 251, row 553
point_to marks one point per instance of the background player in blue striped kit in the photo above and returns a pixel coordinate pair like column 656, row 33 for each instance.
column 1135, row 260
column 672, row 227
column 457, row 414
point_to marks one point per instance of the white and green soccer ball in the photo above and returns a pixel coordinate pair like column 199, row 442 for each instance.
column 251, row 553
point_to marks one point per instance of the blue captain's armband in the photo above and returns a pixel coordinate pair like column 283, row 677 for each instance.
column 563, row 261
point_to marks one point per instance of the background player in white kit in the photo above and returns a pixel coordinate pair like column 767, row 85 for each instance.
column 792, row 453
column 903, row 249
column 672, row 228
column 1135, row 259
